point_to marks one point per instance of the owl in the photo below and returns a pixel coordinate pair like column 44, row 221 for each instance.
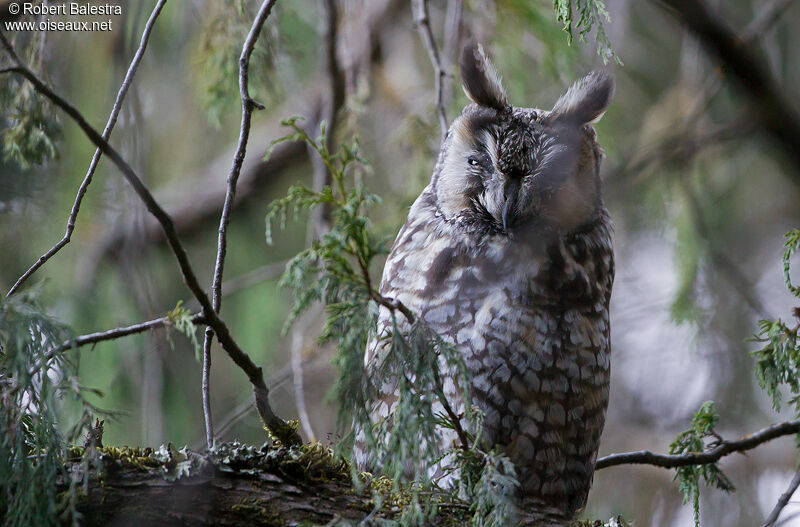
column 507, row 255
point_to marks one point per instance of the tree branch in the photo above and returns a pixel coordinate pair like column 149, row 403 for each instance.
column 783, row 501
column 277, row 426
column 116, row 333
column 723, row 449
column 87, row 180
column 452, row 36
column 776, row 113
column 421, row 19
column 248, row 105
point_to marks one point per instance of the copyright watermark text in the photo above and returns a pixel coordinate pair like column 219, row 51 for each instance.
column 66, row 16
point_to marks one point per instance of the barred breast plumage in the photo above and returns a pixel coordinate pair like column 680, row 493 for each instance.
column 507, row 255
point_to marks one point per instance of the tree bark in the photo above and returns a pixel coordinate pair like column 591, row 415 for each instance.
column 126, row 489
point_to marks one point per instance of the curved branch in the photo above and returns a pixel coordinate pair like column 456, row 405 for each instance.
column 248, row 105
column 276, row 425
column 87, row 180
column 725, row 448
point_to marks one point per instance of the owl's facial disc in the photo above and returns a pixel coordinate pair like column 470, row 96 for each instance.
column 514, row 168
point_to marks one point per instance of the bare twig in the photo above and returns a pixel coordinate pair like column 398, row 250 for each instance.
column 390, row 303
column 276, row 381
column 783, row 501
column 248, row 105
column 452, row 36
column 300, row 332
column 116, row 333
column 276, row 425
column 87, row 180
column 713, row 455
column 421, row 19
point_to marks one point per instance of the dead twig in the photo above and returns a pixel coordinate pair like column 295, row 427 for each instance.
column 248, row 105
column 87, row 180
column 116, row 333
column 422, row 20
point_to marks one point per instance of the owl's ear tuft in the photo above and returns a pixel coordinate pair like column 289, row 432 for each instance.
column 482, row 84
column 587, row 100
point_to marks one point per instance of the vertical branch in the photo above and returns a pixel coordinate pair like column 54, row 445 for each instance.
column 452, row 36
column 87, row 180
column 248, row 105
column 421, row 19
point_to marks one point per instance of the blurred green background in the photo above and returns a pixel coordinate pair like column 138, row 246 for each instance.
column 699, row 196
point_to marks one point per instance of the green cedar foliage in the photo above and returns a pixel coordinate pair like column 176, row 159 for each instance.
column 778, row 361
column 29, row 125
column 591, row 15
column 34, row 383
column 696, row 439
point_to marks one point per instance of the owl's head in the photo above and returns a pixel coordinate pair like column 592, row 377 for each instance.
column 522, row 169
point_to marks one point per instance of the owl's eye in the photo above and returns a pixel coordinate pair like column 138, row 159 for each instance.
column 478, row 161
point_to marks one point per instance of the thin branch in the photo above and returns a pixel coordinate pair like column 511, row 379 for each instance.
column 421, row 19
column 276, row 425
column 276, row 381
column 111, row 334
column 87, row 180
column 723, row 449
column 248, row 105
column 116, row 333
column 454, row 419
column 389, row 303
column 783, row 501
column 452, row 36
column 296, row 346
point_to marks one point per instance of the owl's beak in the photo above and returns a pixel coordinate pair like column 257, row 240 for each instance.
column 510, row 194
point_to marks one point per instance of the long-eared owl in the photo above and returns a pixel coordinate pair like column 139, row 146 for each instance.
column 507, row 255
